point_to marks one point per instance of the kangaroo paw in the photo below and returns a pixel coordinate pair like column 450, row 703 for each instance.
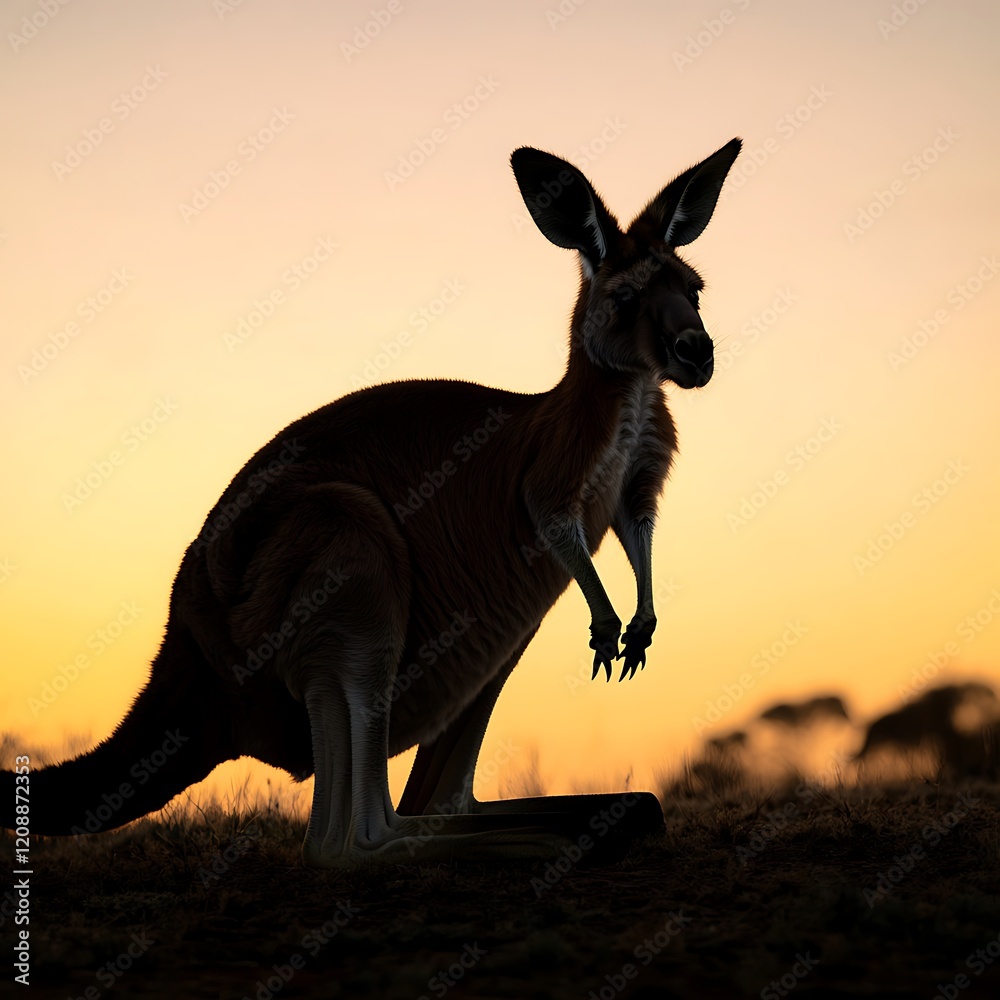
column 638, row 638
column 606, row 647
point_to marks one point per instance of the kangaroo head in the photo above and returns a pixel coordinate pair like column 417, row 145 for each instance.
column 638, row 303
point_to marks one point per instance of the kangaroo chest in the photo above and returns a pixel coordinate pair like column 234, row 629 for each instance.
column 631, row 448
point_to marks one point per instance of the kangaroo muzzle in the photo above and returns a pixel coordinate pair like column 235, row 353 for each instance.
column 695, row 356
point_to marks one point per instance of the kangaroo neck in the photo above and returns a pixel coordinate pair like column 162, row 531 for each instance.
column 589, row 387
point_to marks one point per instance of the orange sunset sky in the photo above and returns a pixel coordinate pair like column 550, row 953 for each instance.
column 218, row 216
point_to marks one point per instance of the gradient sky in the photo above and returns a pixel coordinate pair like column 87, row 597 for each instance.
column 167, row 168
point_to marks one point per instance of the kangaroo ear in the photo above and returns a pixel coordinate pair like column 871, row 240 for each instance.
column 680, row 212
column 565, row 207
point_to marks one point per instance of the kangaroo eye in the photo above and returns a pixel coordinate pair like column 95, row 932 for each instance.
column 626, row 302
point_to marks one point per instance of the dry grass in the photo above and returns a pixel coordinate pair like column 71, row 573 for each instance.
column 762, row 873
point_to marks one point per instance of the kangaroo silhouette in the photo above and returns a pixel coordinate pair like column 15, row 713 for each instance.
column 372, row 575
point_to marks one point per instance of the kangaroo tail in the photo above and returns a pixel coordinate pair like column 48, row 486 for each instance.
column 175, row 733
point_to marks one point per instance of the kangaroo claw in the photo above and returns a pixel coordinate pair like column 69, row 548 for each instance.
column 606, row 651
column 633, row 661
column 637, row 640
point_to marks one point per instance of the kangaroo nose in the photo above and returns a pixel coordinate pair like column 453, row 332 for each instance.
column 694, row 350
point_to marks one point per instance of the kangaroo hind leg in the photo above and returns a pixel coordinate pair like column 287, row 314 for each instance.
column 342, row 663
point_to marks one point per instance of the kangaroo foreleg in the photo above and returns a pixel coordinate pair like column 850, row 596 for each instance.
column 566, row 537
column 636, row 535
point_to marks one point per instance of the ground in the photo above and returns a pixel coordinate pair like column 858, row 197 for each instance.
column 871, row 891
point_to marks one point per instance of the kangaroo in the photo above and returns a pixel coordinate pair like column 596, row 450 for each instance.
column 372, row 575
